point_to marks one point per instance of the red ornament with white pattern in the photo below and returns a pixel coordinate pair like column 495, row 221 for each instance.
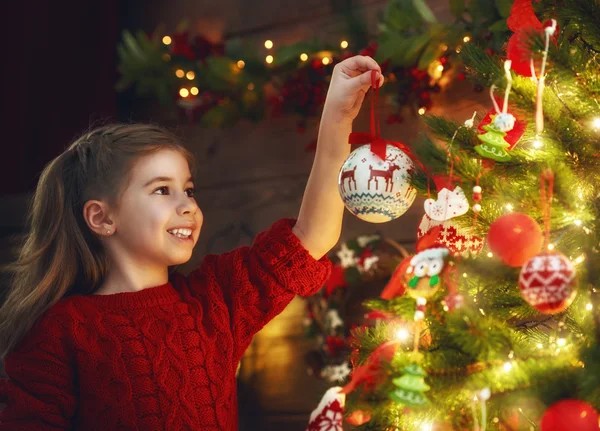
column 329, row 414
column 547, row 282
column 455, row 238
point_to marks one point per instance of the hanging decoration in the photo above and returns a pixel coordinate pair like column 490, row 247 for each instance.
column 547, row 280
column 375, row 180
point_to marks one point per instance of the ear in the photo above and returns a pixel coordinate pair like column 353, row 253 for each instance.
column 97, row 216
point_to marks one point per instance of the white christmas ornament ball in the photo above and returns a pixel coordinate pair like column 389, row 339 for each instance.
column 374, row 190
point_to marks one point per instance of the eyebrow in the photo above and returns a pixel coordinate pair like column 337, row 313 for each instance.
column 166, row 179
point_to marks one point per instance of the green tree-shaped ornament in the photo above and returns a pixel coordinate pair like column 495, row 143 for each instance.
column 411, row 387
column 493, row 145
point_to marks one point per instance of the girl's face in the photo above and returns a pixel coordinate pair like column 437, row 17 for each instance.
column 158, row 199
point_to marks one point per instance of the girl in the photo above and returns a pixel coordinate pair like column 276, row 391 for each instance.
column 97, row 335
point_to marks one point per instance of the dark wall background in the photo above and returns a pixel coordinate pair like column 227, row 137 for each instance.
column 59, row 70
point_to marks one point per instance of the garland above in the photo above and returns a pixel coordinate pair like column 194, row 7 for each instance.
column 220, row 83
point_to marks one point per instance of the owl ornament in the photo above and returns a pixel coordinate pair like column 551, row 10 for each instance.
column 424, row 276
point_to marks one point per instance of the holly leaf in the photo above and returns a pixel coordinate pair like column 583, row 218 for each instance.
column 424, row 11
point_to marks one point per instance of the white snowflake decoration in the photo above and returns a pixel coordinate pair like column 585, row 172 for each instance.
column 346, row 256
column 334, row 321
column 364, row 240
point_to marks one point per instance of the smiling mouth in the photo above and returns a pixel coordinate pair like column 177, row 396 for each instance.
column 181, row 236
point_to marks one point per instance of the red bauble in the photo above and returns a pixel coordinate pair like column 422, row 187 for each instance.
column 515, row 238
column 547, row 282
column 567, row 415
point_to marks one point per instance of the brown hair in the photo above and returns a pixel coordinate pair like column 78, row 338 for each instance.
column 60, row 255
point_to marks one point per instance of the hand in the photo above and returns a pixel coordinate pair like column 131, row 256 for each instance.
column 350, row 82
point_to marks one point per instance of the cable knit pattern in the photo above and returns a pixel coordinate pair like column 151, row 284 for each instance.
column 163, row 358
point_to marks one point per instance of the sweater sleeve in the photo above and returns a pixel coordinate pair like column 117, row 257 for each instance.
column 259, row 281
column 39, row 392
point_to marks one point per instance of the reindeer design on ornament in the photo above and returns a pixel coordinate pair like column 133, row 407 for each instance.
column 387, row 175
column 349, row 174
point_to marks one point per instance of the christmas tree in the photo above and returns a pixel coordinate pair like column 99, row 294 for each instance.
column 511, row 340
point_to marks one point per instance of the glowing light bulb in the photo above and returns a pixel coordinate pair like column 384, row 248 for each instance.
column 550, row 246
column 183, row 92
column 326, row 60
column 251, row 86
column 304, row 56
column 507, row 366
column 241, row 64
column 540, row 346
column 490, row 254
column 167, row 40
column 466, row 39
column 537, row 143
column 577, row 222
column 596, row 123
column 427, row 426
column 194, row 91
column 440, row 68
column 268, row 44
column 344, row 44
column 190, row 75
column 589, row 307
column 422, row 110
column 509, row 207
column 179, row 73
column 465, row 275
column 561, row 342
column 402, row 334
column 269, row 59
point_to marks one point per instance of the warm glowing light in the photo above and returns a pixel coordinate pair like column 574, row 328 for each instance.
column 550, row 246
column 427, row 426
column 422, row 110
column 251, row 86
column 509, row 207
column 344, row 44
column 507, row 366
column 402, row 334
column 326, row 61
column 268, row 44
column 537, row 143
column 180, row 73
column 589, row 307
column 596, row 123
column 194, row 91
column 540, row 346
column 465, row 275
column 241, row 64
column 269, row 59
column 440, row 68
column 190, row 75
column 466, row 39
column 304, row 56
column 561, row 342
column 184, row 92
column 577, row 222
column 166, row 57
column 490, row 254
column 167, row 40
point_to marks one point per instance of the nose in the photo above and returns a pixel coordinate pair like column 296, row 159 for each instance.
column 187, row 206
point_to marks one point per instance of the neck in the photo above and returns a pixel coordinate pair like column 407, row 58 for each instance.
column 134, row 280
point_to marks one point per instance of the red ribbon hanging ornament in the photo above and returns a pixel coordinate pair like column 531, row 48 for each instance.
column 375, row 180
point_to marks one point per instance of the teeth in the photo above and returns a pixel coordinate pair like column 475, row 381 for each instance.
column 181, row 233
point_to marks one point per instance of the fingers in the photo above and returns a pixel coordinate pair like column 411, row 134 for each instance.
column 361, row 63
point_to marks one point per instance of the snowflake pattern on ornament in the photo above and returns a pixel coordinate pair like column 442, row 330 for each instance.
column 456, row 239
column 547, row 279
column 329, row 414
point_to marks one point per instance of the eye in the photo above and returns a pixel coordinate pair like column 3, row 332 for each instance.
column 435, row 267
column 162, row 188
column 192, row 191
column 420, row 269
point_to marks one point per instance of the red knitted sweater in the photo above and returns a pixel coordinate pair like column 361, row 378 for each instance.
column 163, row 358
